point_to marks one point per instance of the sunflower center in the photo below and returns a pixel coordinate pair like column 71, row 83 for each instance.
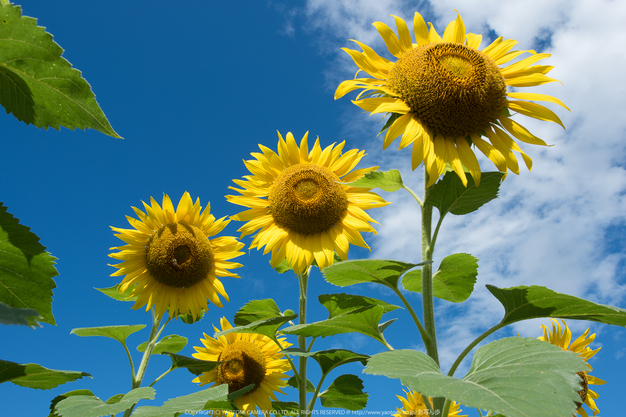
column 179, row 255
column 453, row 89
column 585, row 384
column 307, row 199
column 245, row 366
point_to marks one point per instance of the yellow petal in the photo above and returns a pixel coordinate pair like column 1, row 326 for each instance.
column 520, row 132
column 535, row 111
column 404, row 36
column 455, row 31
column 469, row 159
column 383, row 105
column 537, row 97
column 390, row 38
column 420, row 30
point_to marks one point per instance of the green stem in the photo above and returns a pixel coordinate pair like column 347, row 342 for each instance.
column 416, row 319
column 419, row 201
column 152, row 340
column 427, row 277
column 303, row 279
column 471, row 346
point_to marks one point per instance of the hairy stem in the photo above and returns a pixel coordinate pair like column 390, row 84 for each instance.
column 303, row 278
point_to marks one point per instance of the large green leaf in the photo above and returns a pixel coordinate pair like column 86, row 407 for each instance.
column 90, row 406
column 345, row 392
column 256, row 310
column 216, row 398
column 119, row 333
column 23, row 316
column 517, row 377
column 172, row 343
column 195, row 366
column 61, row 397
column 26, row 269
column 522, row 303
column 382, row 271
column 449, row 194
column 282, row 409
column 31, row 375
column 261, row 317
column 341, row 304
column 39, row 86
column 389, row 181
column 331, row 358
column 454, row 280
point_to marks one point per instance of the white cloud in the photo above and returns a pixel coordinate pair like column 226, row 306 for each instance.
column 548, row 226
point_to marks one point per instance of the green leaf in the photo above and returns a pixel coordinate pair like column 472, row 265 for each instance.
column 283, row 267
column 340, row 304
column 381, row 271
column 119, row 333
column 26, row 269
column 293, row 382
column 22, row 316
column 90, row 406
column 114, row 293
column 449, row 194
column 61, row 397
column 454, row 280
column 523, row 303
column 261, row 317
column 332, row 358
column 172, row 343
column 285, row 408
column 389, row 181
column 38, row 85
column 517, row 377
column 364, row 320
column 195, row 366
column 189, row 403
column 35, row 376
column 345, row 392
column 389, row 122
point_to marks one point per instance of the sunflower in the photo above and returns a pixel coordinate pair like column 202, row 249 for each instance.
column 252, row 359
column 169, row 261
column 580, row 346
column 445, row 95
column 300, row 202
column 413, row 406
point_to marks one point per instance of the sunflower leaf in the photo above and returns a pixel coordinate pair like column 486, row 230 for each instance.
column 114, row 293
column 282, row 408
column 91, row 406
column 340, row 304
column 61, row 397
column 215, row 398
column 454, row 280
column 364, row 320
column 119, row 333
column 523, row 303
column 22, row 316
column 381, row 271
column 26, row 269
column 38, row 85
column 293, row 382
column 389, row 181
column 35, row 376
column 256, row 310
column 345, row 392
column 193, row 365
column 332, row 358
column 449, row 194
column 172, row 343
column 518, row 377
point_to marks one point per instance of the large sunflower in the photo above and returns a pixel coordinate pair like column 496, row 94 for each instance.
column 413, row 406
column 580, row 346
column 445, row 95
column 169, row 261
column 297, row 199
column 252, row 359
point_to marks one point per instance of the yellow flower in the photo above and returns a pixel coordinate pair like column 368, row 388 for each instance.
column 446, row 94
column 580, row 346
column 413, row 406
column 169, row 260
column 252, row 359
column 299, row 202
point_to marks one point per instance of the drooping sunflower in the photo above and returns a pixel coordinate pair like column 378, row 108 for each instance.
column 562, row 338
column 413, row 405
column 169, row 260
column 252, row 359
column 299, row 201
column 446, row 95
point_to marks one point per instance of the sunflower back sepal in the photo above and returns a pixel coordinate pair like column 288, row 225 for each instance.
column 449, row 195
column 190, row 319
column 115, row 293
column 529, row 302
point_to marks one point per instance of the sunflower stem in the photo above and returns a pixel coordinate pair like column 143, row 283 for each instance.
column 302, row 386
column 427, row 285
column 152, row 340
column 471, row 346
column 416, row 319
column 414, row 195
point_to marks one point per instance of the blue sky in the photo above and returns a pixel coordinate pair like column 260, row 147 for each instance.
column 195, row 88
